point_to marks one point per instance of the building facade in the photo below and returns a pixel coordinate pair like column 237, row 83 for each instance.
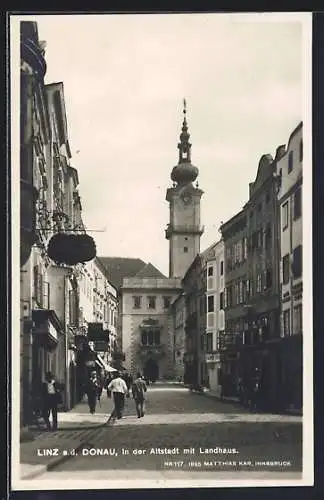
column 215, row 324
column 178, row 313
column 147, row 325
column 234, row 233
column 46, row 289
column 260, row 339
column 194, row 286
column 290, row 182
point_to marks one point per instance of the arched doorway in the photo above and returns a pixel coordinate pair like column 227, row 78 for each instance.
column 151, row 370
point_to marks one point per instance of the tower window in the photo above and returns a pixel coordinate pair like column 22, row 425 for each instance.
column 185, row 249
column 151, row 302
column 210, row 271
column 136, row 302
column 166, row 302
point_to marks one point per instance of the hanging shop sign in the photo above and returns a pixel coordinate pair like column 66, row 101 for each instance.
column 71, row 249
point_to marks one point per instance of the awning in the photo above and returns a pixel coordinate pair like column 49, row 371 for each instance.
column 100, row 362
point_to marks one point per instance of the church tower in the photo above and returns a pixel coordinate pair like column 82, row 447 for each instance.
column 184, row 230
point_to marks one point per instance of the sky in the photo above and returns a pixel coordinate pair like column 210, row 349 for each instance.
column 125, row 77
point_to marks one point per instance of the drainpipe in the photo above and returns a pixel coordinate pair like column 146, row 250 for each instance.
column 67, row 374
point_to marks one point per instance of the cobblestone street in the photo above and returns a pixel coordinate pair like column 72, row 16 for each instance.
column 181, row 433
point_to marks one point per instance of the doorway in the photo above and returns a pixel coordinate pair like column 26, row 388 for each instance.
column 151, row 370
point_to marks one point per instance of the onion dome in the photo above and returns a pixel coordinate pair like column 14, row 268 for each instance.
column 184, row 172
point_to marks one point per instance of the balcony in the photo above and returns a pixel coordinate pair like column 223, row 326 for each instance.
column 150, row 350
column 212, row 357
column 47, row 327
column 183, row 230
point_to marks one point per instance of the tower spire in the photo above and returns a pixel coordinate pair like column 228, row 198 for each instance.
column 184, row 172
column 184, row 146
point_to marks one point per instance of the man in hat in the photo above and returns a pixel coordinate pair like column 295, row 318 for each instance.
column 52, row 397
column 138, row 391
column 119, row 390
column 92, row 391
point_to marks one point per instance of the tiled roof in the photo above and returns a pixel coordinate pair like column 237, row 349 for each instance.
column 121, row 267
column 149, row 271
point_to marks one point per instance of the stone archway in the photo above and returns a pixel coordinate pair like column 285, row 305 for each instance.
column 151, row 370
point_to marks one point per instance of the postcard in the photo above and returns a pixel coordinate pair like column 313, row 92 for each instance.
column 161, row 207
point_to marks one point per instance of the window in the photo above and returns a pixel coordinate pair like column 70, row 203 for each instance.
column 268, row 279
column 301, row 150
column 259, row 283
column 244, row 249
column 72, row 307
column 286, row 322
column 210, row 271
column 284, row 212
column 209, row 346
column 229, row 296
column 259, row 207
column 150, row 338
column 222, row 268
column 210, row 303
column 290, row 161
column 268, row 236
column 256, row 239
column 297, row 203
column 221, row 300
column 229, row 258
column 285, row 269
column 38, row 286
column 151, row 302
column 298, row 319
column 136, row 302
column 202, row 305
column 236, row 293
column 247, row 288
column 166, row 302
column 298, row 262
column 268, row 198
column 240, row 292
column 185, row 249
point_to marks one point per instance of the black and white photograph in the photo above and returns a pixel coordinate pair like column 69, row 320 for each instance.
column 161, row 216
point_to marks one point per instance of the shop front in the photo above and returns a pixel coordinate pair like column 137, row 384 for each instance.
column 213, row 366
column 290, row 353
column 48, row 351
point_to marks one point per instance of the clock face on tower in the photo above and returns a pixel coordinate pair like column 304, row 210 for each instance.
column 186, row 198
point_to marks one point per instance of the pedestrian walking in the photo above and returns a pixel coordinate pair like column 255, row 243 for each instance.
column 138, row 390
column 51, row 397
column 119, row 390
column 92, row 391
column 255, row 391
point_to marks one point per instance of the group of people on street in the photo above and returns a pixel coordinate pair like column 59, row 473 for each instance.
column 118, row 387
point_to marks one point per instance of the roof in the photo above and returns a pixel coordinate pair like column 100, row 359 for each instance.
column 149, row 271
column 121, row 267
